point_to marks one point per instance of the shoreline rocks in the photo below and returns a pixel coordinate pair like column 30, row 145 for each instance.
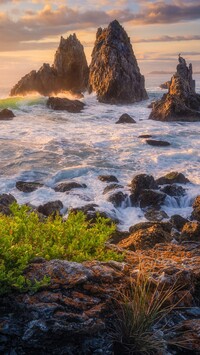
column 6, row 115
column 64, row 104
column 114, row 73
column 125, row 118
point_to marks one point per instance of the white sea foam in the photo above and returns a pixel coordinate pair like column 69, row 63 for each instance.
column 51, row 147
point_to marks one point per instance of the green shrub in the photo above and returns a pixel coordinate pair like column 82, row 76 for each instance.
column 23, row 236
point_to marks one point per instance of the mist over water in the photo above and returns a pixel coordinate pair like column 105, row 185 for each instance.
column 52, row 147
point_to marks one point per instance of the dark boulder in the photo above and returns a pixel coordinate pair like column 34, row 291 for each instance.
column 69, row 72
column 6, row 115
column 155, row 215
column 111, row 187
column 5, row 201
column 139, row 183
column 68, row 186
column 27, row 186
column 114, row 73
column 181, row 103
column 64, row 104
column 145, row 136
column 117, row 198
column 151, row 198
column 172, row 178
column 173, row 190
column 125, row 118
column 178, row 221
column 196, row 209
column 108, row 178
column 157, row 143
column 50, row 208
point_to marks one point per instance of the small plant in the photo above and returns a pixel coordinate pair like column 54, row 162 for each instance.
column 141, row 309
column 23, row 236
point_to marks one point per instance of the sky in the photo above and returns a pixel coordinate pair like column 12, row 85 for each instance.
column 30, row 31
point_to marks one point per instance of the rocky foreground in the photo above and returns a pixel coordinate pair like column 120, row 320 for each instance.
column 76, row 312
column 181, row 103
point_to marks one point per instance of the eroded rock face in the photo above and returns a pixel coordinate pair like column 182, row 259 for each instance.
column 114, row 73
column 69, row 72
column 181, row 103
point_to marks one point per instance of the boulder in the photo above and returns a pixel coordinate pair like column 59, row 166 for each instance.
column 69, row 72
column 165, row 85
column 178, row 221
column 108, row 178
column 191, row 231
column 27, row 186
column 6, row 115
column 92, row 213
column 157, row 143
column 151, row 198
column 68, row 186
column 114, row 73
column 173, row 190
column 64, row 104
column 146, row 236
column 196, row 209
column 181, row 103
column 5, row 201
column 145, row 136
column 154, row 215
column 173, row 177
column 50, row 208
column 111, row 187
column 117, row 198
column 139, row 183
column 125, row 118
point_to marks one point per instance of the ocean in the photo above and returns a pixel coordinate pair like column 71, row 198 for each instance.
column 53, row 147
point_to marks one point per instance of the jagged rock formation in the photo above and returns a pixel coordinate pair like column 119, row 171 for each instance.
column 114, row 73
column 69, row 72
column 181, row 103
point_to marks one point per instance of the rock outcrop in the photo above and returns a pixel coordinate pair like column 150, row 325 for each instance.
column 181, row 103
column 114, row 73
column 69, row 72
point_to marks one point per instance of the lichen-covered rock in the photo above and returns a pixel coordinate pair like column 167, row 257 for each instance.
column 181, row 103
column 196, row 209
column 69, row 72
column 6, row 115
column 145, row 236
column 64, row 104
column 191, row 231
column 114, row 73
column 173, row 177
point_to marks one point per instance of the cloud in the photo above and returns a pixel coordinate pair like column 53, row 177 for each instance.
column 167, row 39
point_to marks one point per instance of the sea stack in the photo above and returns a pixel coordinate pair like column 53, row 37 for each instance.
column 114, row 73
column 69, row 72
column 181, row 103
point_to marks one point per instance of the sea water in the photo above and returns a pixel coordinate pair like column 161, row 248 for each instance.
column 53, row 147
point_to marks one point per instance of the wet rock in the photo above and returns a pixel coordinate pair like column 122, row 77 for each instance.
column 68, row 186
column 166, row 226
column 191, row 231
column 181, row 103
column 155, row 215
column 114, row 73
column 117, row 198
column 172, row 178
column 178, row 221
column 64, row 104
column 92, row 213
column 125, row 118
column 157, row 143
column 111, row 187
column 173, row 190
column 6, row 115
column 27, row 186
column 5, row 201
column 151, row 198
column 139, row 183
column 108, row 178
column 196, row 209
column 146, row 236
column 187, row 333
column 165, row 85
column 50, row 208
column 69, row 72
column 145, row 136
